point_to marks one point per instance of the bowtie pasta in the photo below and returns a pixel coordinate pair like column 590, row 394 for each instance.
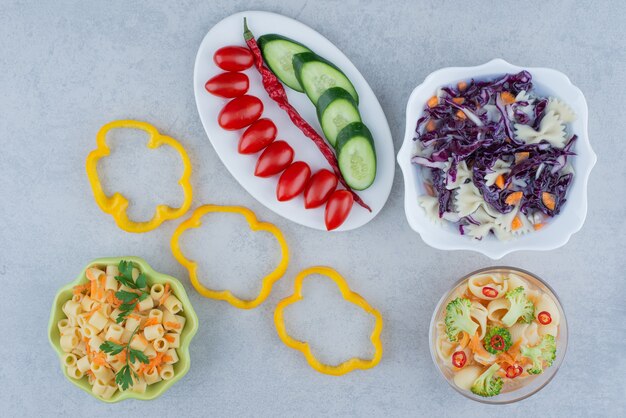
column 494, row 156
column 497, row 331
column 121, row 333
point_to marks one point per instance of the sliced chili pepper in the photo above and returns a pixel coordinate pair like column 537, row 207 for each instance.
column 276, row 91
column 459, row 359
column 490, row 292
column 513, row 371
column 544, row 318
column 497, row 342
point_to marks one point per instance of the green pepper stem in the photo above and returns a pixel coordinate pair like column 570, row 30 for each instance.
column 247, row 35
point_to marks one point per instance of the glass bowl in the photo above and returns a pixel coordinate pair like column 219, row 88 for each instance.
column 531, row 384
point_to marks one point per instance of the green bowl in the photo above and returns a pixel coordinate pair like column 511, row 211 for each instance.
column 190, row 329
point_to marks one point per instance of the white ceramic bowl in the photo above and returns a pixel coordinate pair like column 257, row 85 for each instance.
column 547, row 82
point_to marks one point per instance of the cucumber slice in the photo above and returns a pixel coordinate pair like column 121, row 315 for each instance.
column 316, row 75
column 356, row 155
column 335, row 109
column 278, row 52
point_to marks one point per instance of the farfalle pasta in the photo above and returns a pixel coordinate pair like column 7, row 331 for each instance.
column 498, row 330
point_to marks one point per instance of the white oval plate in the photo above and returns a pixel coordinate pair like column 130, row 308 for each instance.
column 230, row 32
column 547, row 82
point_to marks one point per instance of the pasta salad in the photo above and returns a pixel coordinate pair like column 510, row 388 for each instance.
column 494, row 156
column 120, row 333
column 496, row 332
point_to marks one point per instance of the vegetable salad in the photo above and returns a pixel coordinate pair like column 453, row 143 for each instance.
column 494, row 156
column 497, row 331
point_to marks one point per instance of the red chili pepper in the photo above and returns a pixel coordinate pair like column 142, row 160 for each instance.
column 497, row 342
column 513, row 371
column 544, row 318
column 459, row 359
column 490, row 292
column 277, row 93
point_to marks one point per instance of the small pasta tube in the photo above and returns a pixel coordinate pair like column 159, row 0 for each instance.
column 112, row 270
column 160, row 345
column 114, row 314
column 173, row 356
column 102, row 373
column 110, row 390
column 172, row 304
column 174, row 323
column 156, row 292
column 95, row 342
column 78, row 298
column 152, row 376
column 83, row 364
column 166, row 372
column 68, row 342
column 99, row 387
column 63, row 324
column 139, row 385
column 110, row 283
column 126, row 335
column 72, row 309
column 145, row 304
column 139, row 342
column 89, row 331
column 116, row 365
column 87, row 303
column 173, row 339
column 98, row 320
column 150, row 352
column 91, row 379
column 80, row 349
column 132, row 322
column 114, row 332
column 156, row 313
column 69, row 360
column 153, row 332
column 74, row 373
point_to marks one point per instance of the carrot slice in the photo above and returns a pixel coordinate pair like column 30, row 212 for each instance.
column 462, row 85
column 521, row 156
column 433, row 101
column 507, row 98
column 514, row 198
column 548, row 200
column 431, row 126
column 458, row 100
column 538, row 226
column 500, row 181
column 461, row 115
column 516, row 223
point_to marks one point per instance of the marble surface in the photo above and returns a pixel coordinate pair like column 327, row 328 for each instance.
column 66, row 68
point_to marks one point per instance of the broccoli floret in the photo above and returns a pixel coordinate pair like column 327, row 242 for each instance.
column 487, row 384
column 497, row 340
column 544, row 351
column 521, row 308
column 458, row 318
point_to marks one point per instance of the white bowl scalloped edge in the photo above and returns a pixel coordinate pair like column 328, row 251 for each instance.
column 558, row 232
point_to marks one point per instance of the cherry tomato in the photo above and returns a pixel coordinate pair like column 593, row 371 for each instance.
column 258, row 136
column 513, row 371
column 233, row 58
column 459, row 359
column 544, row 318
column 338, row 208
column 490, row 292
column 240, row 112
column 293, row 181
column 274, row 159
column 228, row 85
column 319, row 189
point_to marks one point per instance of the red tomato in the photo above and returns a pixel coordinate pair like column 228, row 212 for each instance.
column 258, row 136
column 233, row 58
column 228, row 85
column 459, row 358
column 338, row 208
column 274, row 159
column 293, row 181
column 240, row 112
column 319, row 189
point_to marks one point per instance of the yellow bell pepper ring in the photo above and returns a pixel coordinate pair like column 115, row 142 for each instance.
column 117, row 204
column 192, row 267
column 350, row 296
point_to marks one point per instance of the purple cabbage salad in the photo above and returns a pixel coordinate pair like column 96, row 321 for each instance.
column 494, row 156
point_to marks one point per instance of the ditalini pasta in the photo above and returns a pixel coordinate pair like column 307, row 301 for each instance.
column 494, row 156
column 120, row 333
column 497, row 331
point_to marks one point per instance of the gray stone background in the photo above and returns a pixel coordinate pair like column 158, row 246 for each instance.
column 66, row 68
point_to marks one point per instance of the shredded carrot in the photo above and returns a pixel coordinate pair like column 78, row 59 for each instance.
column 169, row 338
column 477, row 347
column 514, row 198
column 507, row 98
column 90, row 275
column 538, row 226
column 500, row 181
column 433, row 101
column 458, row 100
column 516, row 223
column 462, row 85
column 121, row 357
column 548, row 200
column 100, row 358
column 514, row 351
column 151, row 321
column 166, row 294
column 167, row 358
column 91, row 312
column 171, row 324
column 521, row 156
column 464, row 340
column 78, row 289
column 461, row 115
column 94, row 287
column 431, row 126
